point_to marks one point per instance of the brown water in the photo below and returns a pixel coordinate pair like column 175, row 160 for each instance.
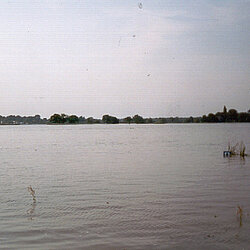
column 123, row 187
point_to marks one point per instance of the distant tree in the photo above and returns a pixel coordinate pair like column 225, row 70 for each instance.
column 37, row 117
column 128, row 119
column 44, row 120
column 212, row 118
column 56, row 118
column 204, row 118
column 190, row 119
column 90, row 120
column 82, row 119
column 97, row 121
column 242, row 117
column 138, row 119
column 64, row 118
column 225, row 110
column 73, row 119
column 248, row 117
column 149, row 120
column 197, row 120
column 161, row 120
column 110, row 119
column 232, row 115
column 177, row 119
column 224, row 114
column 220, row 116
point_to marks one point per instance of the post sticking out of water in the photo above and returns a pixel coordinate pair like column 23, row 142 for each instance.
column 226, row 153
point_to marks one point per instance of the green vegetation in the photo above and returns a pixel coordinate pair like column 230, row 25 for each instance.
column 110, row 119
column 62, row 119
column 138, row 119
column 17, row 119
column 231, row 115
column 227, row 116
column 128, row 119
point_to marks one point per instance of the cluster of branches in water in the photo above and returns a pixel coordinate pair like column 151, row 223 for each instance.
column 225, row 116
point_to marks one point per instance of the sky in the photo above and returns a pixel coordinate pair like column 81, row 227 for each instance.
column 156, row 58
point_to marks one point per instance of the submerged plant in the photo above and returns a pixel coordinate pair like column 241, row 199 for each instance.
column 32, row 192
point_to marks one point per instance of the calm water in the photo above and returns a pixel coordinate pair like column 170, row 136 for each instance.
column 123, row 187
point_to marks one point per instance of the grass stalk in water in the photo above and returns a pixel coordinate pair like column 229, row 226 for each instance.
column 232, row 149
column 242, row 149
column 32, row 192
column 240, row 214
column 237, row 149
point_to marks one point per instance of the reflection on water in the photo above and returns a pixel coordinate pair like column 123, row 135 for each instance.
column 124, row 186
column 31, row 210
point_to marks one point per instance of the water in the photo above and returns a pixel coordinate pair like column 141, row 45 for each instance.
column 123, row 187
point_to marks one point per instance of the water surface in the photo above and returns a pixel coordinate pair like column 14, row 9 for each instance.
column 123, row 186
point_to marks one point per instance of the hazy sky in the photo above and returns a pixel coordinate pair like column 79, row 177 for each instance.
column 168, row 58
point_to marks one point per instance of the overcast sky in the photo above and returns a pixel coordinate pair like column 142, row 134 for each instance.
column 119, row 57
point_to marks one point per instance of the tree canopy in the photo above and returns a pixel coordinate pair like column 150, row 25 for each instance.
column 138, row 119
column 110, row 119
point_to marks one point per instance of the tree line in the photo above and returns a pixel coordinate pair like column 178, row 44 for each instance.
column 18, row 120
column 232, row 115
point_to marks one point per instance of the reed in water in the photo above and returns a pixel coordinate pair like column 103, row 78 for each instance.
column 237, row 149
column 32, row 192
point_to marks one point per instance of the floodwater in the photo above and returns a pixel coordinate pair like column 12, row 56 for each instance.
column 124, row 187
